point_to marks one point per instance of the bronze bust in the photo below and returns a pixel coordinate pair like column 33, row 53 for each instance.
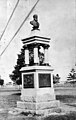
column 35, row 22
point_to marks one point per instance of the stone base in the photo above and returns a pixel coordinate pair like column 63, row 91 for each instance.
column 38, row 101
column 38, row 106
column 45, row 112
column 41, row 108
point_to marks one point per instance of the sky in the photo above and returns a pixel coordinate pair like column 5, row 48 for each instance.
column 57, row 20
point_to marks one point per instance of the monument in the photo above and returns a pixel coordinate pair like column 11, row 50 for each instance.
column 37, row 94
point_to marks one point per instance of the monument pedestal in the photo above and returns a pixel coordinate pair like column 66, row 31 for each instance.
column 37, row 94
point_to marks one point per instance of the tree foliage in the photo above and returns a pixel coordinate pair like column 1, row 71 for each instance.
column 16, row 74
column 1, row 82
column 72, row 76
column 56, row 78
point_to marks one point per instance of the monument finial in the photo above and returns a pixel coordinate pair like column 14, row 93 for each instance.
column 35, row 22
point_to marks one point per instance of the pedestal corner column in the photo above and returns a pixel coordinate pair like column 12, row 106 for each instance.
column 26, row 56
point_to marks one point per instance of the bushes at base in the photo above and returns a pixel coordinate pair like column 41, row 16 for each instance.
column 1, row 82
column 56, row 78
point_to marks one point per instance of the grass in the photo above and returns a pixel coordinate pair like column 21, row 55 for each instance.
column 71, row 116
column 66, row 98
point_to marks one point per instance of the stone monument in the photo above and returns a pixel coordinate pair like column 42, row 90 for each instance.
column 37, row 94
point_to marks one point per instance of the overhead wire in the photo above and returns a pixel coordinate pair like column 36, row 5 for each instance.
column 19, row 28
column 9, row 19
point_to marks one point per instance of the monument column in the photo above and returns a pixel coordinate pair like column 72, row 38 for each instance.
column 51, row 80
column 26, row 56
column 36, row 59
column 46, row 55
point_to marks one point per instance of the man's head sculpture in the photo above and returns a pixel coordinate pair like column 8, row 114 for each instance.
column 35, row 22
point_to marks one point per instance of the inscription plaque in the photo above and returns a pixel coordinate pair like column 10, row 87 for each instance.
column 28, row 81
column 44, row 80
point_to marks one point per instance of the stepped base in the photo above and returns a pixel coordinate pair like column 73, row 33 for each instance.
column 38, row 101
column 40, row 108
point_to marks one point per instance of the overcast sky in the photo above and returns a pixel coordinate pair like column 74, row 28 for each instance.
column 57, row 20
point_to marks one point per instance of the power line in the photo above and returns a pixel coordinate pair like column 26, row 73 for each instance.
column 19, row 28
column 9, row 19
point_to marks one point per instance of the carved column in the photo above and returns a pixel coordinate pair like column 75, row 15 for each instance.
column 26, row 56
column 46, row 55
column 36, row 58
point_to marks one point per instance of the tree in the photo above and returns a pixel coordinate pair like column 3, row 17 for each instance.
column 1, row 82
column 72, row 76
column 56, row 78
column 16, row 74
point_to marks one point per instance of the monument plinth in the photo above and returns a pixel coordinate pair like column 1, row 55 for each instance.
column 37, row 94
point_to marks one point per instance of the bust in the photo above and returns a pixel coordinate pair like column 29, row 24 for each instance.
column 35, row 22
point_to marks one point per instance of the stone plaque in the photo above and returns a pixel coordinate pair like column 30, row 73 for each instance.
column 44, row 80
column 28, row 81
